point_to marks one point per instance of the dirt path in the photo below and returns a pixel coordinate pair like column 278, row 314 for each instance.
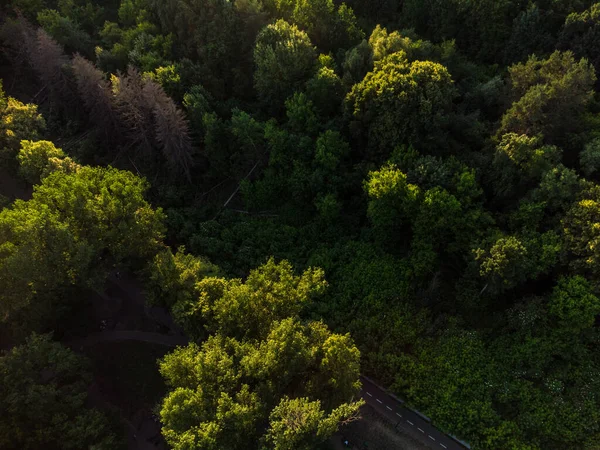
column 116, row 336
column 12, row 187
column 143, row 436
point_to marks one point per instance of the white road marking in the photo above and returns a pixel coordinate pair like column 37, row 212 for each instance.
column 369, row 394
column 379, row 401
column 443, row 445
column 388, row 407
column 409, row 422
column 399, row 415
column 420, row 430
column 431, row 437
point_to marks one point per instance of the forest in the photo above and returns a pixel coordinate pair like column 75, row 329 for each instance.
column 315, row 190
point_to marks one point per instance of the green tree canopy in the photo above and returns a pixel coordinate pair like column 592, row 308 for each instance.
column 76, row 227
column 580, row 34
column 223, row 392
column 284, row 59
column 299, row 424
column 511, row 260
column 172, row 278
column 43, row 387
column 18, row 121
column 582, row 231
column 574, row 303
column 39, row 159
column 550, row 96
column 245, row 310
column 401, row 102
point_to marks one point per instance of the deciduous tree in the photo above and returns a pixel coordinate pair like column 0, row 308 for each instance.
column 43, row 387
column 549, row 96
column 39, row 159
column 18, row 121
column 245, row 310
column 285, row 59
column 76, row 227
column 582, row 232
column 401, row 103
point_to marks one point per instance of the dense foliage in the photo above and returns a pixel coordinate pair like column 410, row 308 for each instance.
column 262, row 363
column 43, row 387
column 423, row 175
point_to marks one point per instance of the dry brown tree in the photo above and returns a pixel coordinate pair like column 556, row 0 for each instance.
column 135, row 110
column 153, row 120
column 17, row 37
column 172, row 132
column 48, row 60
column 27, row 46
column 94, row 91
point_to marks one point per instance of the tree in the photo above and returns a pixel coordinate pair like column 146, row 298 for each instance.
column 519, row 163
column 558, row 189
column 65, row 31
column 76, row 228
column 299, row 424
column 18, row 121
column 43, row 386
column 39, row 159
column 153, row 120
column 295, row 354
column 328, row 28
column 544, row 350
column 325, row 90
column 172, row 134
column 401, row 103
column 197, row 103
column 330, row 154
column 451, row 371
column 169, row 78
column 549, row 96
column 138, row 42
column 340, row 368
column 94, row 90
column 245, row 310
column 383, row 44
column 528, row 154
column 582, row 233
column 505, row 260
column 29, row 8
column 172, row 278
column 49, row 62
column 208, row 407
column 512, row 260
column 38, row 256
column 135, row 106
column 223, row 392
column 589, row 158
column 580, row 34
column 392, row 199
column 530, row 35
column 358, row 61
column 448, row 217
column 301, row 114
column 438, row 218
column 573, row 303
column 207, row 31
column 284, row 59
column 105, row 207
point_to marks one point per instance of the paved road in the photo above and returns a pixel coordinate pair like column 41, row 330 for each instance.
column 409, row 421
column 385, row 404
